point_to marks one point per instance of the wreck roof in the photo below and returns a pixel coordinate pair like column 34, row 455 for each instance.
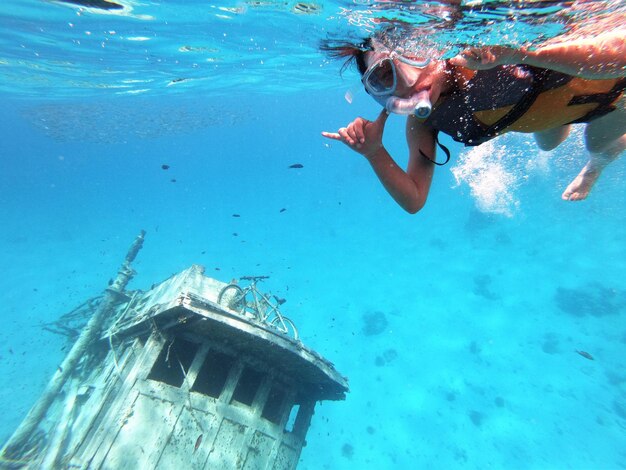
column 182, row 305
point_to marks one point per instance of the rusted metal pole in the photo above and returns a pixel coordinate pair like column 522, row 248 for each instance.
column 90, row 333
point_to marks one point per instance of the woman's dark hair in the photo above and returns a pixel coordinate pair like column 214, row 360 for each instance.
column 350, row 51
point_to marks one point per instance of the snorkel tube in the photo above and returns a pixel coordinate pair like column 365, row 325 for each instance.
column 418, row 104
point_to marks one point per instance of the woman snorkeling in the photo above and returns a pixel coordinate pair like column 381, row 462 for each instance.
column 486, row 92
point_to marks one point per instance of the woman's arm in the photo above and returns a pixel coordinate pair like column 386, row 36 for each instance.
column 420, row 169
column 595, row 57
column 409, row 189
column 601, row 56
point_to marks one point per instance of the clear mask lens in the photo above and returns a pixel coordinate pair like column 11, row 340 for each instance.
column 380, row 78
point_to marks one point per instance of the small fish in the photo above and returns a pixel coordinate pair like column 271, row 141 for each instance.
column 173, row 180
column 165, row 167
column 198, row 442
column 585, row 354
column 296, row 165
column 283, row 210
column 236, row 215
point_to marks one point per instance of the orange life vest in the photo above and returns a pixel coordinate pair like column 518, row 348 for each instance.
column 520, row 98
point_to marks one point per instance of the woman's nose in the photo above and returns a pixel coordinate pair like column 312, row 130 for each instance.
column 406, row 75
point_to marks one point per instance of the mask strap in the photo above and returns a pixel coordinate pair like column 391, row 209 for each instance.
column 442, row 147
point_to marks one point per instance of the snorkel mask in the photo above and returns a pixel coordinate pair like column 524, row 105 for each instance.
column 380, row 81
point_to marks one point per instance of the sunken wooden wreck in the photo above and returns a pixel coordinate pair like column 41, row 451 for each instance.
column 173, row 380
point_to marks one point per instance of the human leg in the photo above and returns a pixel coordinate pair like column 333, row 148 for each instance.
column 551, row 138
column 605, row 139
column 580, row 187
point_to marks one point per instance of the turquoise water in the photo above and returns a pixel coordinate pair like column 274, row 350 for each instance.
column 487, row 293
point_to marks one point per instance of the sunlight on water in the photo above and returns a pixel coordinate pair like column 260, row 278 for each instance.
column 75, row 50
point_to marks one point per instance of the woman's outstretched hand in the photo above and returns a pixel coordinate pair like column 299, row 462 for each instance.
column 361, row 135
column 482, row 58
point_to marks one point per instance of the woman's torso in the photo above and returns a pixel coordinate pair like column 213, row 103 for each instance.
column 487, row 103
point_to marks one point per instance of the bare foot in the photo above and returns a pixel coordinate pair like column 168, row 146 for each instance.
column 580, row 187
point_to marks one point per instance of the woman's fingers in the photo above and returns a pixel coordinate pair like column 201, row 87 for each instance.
column 331, row 135
column 474, row 58
column 382, row 117
column 359, row 130
column 350, row 135
column 469, row 58
column 481, row 58
column 360, row 133
column 343, row 132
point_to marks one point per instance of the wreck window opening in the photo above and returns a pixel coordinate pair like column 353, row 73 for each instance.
column 175, row 356
column 213, row 374
column 291, row 421
column 247, row 386
column 273, row 409
column 143, row 339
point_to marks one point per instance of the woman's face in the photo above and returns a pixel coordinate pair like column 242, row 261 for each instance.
column 410, row 79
